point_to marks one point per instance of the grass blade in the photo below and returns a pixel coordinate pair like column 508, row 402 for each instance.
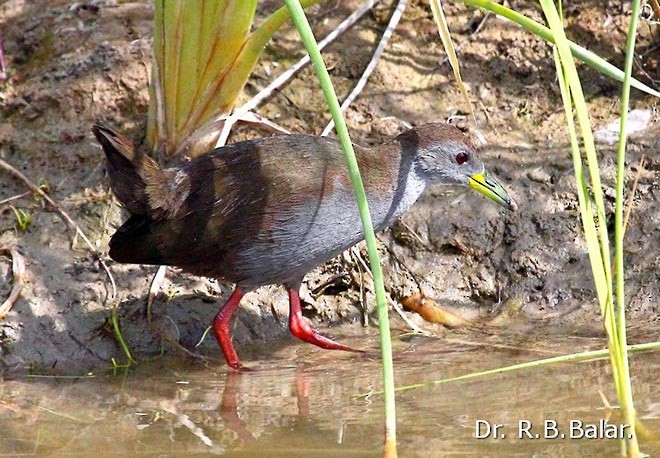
column 578, row 51
column 603, row 288
column 625, row 388
column 445, row 37
column 575, row 357
column 614, row 324
column 305, row 31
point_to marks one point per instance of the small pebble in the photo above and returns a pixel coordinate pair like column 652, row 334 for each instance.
column 539, row 175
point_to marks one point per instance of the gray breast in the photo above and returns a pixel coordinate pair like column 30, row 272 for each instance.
column 319, row 231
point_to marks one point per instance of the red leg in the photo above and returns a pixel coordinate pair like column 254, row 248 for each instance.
column 221, row 324
column 302, row 330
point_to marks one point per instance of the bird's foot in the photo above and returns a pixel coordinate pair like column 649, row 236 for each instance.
column 302, row 330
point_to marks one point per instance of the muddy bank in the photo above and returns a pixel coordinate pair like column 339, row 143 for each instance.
column 79, row 62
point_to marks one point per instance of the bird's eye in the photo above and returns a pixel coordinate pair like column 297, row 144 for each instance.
column 462, row 158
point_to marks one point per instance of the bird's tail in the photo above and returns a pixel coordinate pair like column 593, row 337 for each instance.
column 130, row 173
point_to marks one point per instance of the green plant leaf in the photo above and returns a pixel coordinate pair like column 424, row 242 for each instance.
column 583, row 54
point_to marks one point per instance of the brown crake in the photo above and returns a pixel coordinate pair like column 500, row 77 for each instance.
column 267, row 211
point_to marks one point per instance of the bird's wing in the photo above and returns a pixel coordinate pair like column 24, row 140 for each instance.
column 234, row 195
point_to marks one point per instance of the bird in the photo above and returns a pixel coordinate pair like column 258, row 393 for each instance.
column 267, row 211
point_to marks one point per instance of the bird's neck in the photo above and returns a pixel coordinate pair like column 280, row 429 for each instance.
column 385, row 210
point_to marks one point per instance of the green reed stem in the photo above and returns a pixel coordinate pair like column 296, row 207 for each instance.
column 626, row 395
column 305, row 31
column 604, row 270
column 583, row 54
column 584, row 203
column 613, row 319
column 119, row 336
column 575, row 357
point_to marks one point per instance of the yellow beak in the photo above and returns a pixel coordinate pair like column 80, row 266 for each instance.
column 489, row 187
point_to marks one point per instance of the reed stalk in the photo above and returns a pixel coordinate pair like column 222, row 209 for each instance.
column 305, row 31
column 598, row 240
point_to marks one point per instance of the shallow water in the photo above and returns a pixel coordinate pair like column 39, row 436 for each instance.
column 308, row 402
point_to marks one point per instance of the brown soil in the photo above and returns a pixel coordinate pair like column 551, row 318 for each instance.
column 72, row 63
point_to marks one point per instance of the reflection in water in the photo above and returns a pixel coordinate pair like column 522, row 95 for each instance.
column 229, row 408
column 312, row 405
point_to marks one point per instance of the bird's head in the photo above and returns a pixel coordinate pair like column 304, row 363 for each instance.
column 444, row 155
